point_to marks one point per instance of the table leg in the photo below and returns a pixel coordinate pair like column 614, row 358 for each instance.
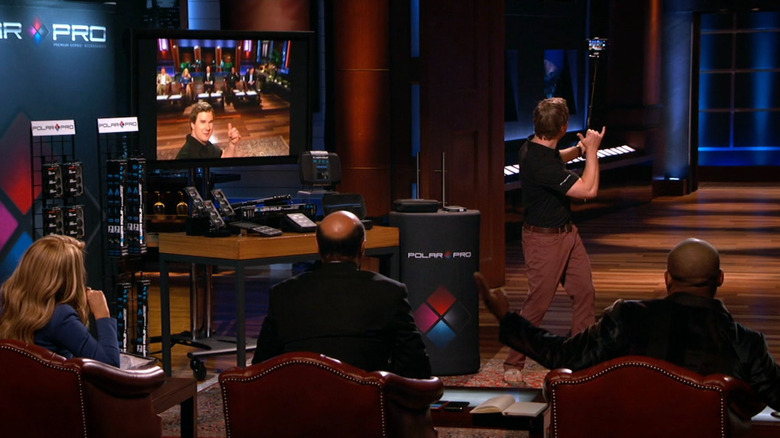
column 165, row 316
column 240, row 317
column 182, row 392
column 395, row 264
column 193, row 302
column 189, row 418
column 208, row 306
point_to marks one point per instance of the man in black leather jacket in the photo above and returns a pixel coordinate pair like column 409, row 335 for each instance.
column 690, row 327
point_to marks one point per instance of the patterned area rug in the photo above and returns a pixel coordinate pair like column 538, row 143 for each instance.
column 263, row 147
column 211, row 422
column 491, row 375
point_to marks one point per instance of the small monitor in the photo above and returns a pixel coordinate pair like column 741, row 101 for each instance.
column 319, row 168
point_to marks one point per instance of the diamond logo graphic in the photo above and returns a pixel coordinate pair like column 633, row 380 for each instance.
column 441, row 300
column 441, row 335
column 425, row 318
column 38, row 30
column 441, row 317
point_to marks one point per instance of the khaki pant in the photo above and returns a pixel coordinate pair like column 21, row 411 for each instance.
column 552, row 259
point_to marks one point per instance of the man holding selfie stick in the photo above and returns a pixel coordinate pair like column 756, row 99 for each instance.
column 553, row 250
column 198, row 144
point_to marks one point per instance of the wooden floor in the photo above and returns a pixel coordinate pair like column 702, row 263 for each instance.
column 628, row 236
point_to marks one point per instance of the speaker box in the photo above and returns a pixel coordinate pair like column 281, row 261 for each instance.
column 351, row 202
column 416, row 205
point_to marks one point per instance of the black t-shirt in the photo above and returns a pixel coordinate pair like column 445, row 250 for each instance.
column 545, row 181
column 194, row 149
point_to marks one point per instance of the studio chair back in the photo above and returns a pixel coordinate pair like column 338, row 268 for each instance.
column 43, row 394
column 307, row 394
column 637, row 396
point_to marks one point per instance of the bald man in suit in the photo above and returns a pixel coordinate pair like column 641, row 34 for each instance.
column 356, row 316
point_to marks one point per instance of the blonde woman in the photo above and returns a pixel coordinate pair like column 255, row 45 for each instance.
column 46, row 302
column 186, row 83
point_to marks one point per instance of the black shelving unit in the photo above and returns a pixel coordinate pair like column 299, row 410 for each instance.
column 122, row 194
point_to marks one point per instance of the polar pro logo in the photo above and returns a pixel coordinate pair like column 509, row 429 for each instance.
column 79, row 33
column 439, row 255
column 53, row 128
column 10, row 30
column 120, row 125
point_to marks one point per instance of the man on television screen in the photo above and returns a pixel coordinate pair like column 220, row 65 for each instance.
column 251, row 79
column 164, row 81
column 197, row 145
column 231, row 82
column 208, row 80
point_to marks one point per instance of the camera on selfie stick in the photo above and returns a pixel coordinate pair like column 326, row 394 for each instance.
column 596, row 46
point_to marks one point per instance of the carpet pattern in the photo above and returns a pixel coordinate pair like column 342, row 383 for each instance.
column 491, row 375
column 211, row 422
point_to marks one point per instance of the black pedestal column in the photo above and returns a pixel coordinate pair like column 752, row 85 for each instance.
column 439, row 255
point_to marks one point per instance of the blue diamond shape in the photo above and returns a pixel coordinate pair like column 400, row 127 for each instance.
column 441, row 335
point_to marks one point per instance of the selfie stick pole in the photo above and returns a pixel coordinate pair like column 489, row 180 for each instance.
column 595, row 53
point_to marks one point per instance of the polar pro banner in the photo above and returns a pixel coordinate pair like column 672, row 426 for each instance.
column 439, row 255
column 59, row 63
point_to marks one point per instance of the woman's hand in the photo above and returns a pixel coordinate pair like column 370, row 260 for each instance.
column 97, row 303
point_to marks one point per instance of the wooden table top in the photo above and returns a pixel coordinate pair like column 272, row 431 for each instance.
column 249, row 246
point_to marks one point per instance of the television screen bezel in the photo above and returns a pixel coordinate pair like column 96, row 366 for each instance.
column 145, row 108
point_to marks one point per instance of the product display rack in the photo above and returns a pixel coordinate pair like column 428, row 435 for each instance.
column 57, row 180
column 123, row 181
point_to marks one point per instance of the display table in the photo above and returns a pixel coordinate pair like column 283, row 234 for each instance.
column 242, row 251
column 475, row 396
column 765, row 425
column 182, row 392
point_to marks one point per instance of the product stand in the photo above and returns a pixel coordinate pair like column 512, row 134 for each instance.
column 122, row 199
column 439, row 255
column 54, row 194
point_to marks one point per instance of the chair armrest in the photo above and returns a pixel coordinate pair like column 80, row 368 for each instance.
column 118, row 382
column 413, row 393
column 32, row 350
column 742, row 398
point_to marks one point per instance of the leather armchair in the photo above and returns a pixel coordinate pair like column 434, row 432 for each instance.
column 640, row 396
column 46, row 395
column 308, row 394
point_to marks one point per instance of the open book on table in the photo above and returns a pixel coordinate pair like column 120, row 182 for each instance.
column 132, row 361
column 507, row 405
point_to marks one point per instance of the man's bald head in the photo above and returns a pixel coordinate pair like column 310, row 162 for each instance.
column 692, row 264
column 341, row 237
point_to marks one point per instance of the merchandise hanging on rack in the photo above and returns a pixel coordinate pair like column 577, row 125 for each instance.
column 57, row 180
column 123, row 176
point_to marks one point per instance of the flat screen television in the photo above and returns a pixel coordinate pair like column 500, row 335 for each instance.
column 271, row 110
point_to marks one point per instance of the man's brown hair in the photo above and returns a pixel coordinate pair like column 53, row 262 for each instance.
column 550, row 116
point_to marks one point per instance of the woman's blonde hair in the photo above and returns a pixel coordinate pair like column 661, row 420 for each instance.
column 51, row 272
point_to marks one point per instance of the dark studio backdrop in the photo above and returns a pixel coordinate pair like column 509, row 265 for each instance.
column 59, row 64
